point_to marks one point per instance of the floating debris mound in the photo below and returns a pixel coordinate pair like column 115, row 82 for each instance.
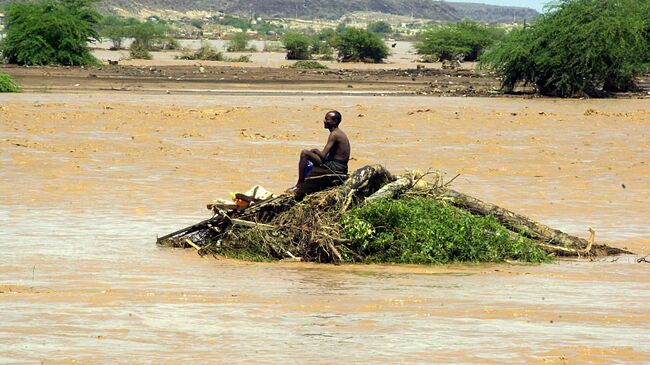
column 374, row 216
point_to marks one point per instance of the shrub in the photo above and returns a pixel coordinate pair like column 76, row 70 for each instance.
column 116, row 35
column 298, row 46
column 578, row 47
column 464, row 40
column 426, row 231
column 165, row 43
column 138, row 52
column 380, row 27
column 50, row 32
column 356, row 44
column 238, row 43
column 206, row 53
column 242, row 58
column 7, row 84
column 322, row 43
column 308, row 65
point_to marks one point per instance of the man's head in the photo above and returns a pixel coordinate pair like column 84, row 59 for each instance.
column 332, row 119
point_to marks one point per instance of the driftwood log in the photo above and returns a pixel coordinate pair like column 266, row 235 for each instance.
column 566, row 244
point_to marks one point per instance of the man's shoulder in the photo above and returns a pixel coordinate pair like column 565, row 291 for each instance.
column 339, row 133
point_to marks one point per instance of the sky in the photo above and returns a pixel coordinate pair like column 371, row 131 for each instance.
column 535, row 4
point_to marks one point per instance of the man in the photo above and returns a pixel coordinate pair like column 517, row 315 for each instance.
column 334, row 156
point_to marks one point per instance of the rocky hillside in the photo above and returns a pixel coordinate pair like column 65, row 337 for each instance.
column 324, row 9
column 493, row 14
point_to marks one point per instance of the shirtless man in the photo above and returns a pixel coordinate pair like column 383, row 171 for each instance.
column 336, row 153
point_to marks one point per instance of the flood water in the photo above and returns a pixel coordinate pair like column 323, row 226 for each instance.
column 402, row 55
column 88, row 181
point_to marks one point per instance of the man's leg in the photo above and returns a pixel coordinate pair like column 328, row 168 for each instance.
column 305, row 156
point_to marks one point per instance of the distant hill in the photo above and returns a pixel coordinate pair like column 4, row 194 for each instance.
column 324, row 9
column 492, row 13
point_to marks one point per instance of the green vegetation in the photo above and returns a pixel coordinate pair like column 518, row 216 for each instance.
column 380, row 27
column 115, row 29
column 239, row 43
column 148, row 36
column 427, row 231
column 322, row 43
column 355, row 45
column 579, row 47
column 464, row 40
column 308, row 65
column 242, row 58
column 206, row 53
column 50, row 32
column 7, row 84
column 298, row 46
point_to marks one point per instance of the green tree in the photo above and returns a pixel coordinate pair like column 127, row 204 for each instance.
column 356, row 44
column 145, row 36
column 323, row 41
column 238, row 43
column 577, row 47
column 116, row 35
column 380, row 27
column 50, row 32
column 466, row 40
column 298, row 45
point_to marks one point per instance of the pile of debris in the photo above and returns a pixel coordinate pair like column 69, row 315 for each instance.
column 309, row 228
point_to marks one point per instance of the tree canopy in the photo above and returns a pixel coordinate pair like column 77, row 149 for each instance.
column 50, row 32
column 298, row 45
column 578, row 47
column 354, row 44
column 465, row 40
column 380, row 27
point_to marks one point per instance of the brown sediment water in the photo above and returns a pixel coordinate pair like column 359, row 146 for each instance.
column 88, row 181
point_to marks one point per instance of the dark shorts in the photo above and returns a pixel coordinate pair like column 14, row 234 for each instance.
column 336, row 166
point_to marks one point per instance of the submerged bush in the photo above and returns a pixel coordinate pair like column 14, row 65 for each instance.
column 464, row 40
column 50, row 32
column 355, row 45
column 242, row 58
column 7, row 84
column 138, row 51
column 298, row 45
column 309, row 65
column 205, row 53
column 239, row 43
column 426, row 231
column 578, row 47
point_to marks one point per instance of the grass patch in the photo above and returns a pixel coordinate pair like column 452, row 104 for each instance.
column 308, row 65
column 427, row 231
column 7, row 84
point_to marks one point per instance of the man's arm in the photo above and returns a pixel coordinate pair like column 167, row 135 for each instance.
column 331, row 141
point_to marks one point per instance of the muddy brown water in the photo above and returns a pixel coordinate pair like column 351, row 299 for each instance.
column 88, row 181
